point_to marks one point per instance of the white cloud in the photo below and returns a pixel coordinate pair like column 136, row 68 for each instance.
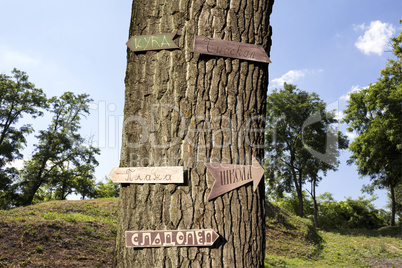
column 293, row 75
column 354, row 89
column 11, row 59
column 18, row 164
column 376, row 38
column 351, row 135
column 360, row 27
column 339, row 115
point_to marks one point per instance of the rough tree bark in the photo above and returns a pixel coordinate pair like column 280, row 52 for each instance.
column 184, row 109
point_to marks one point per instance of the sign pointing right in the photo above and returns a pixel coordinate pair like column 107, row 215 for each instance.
column 228, row 176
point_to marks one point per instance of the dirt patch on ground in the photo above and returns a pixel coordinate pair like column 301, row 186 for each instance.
column 30, row 240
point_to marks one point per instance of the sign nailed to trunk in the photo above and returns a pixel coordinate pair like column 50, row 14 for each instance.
column 147, row 175
column 170, row 238
column 228, row 177
column 152, row 42
column 238, row 50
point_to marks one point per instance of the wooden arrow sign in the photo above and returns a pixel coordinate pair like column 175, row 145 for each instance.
column 170, row 238
column 228, row 177
column 147, row 175
column 223, row 48
column 152, row 42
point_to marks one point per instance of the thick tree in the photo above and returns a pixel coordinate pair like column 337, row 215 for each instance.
column 375, row 114
column 398, row 201
column 300, row 141
column 60, row 155
column 184, row 109
column 18, row 98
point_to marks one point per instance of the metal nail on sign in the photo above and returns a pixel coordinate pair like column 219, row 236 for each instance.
column 147, row 175
column 170, row 238
column 231, row 49
column 228, row 177
column 152, row 42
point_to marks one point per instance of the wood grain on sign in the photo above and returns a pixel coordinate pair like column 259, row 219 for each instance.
column 147, row 175
column 152, row 42
column 228, row 177
column 171, row 238
column 231, row 49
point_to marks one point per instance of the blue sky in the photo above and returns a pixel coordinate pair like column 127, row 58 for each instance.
column 327, row 47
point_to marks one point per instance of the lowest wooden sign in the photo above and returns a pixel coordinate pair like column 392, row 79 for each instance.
column 147, row 175
column 231, row 49
column 171, row 238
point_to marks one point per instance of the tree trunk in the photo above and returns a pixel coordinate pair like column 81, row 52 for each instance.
column 393, row 205
column 298, row 185
column 186, row 109
column 314, row 202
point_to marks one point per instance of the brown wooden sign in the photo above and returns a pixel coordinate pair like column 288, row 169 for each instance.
column 152, row 42
column 147, row 175
column 170, row 238
column 228, row 177
column 223, row 48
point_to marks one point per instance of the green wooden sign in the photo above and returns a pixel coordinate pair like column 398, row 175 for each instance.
column 152, row 42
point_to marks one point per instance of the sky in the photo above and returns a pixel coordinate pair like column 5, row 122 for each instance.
column 327, row 47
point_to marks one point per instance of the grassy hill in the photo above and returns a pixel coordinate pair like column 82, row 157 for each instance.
column 59, row 234
column 82, row 234
column 294, row 242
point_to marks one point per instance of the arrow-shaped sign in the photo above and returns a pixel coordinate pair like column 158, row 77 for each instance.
column 152, row 42
column 228, row 177
column 231, row 49
column 147, row 175
column 171, row 238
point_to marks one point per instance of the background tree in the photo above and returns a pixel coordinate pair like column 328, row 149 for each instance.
column 375, row 114
column 18, row 97
column 85, row 184
column 107, row 190
column 60, row 154
column 350, row 213
column 185, row 109
column 300, row 141
column 75, row 178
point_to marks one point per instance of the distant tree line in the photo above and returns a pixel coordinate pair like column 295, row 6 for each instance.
column 333, row 214
column 62, row 161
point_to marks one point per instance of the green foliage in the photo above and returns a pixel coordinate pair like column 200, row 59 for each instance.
column 61, row 163
column 18, row 97
column 61, row 159
column 398, row 203
column 351, row 213
column 300, row 140
column 85, row 186
column 291, row 203
column 375, row 114
column 39, row 249
column 359, row 213
column 107, row 190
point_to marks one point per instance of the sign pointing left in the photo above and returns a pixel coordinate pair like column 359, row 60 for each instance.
column 152, row 42
column 147, row 175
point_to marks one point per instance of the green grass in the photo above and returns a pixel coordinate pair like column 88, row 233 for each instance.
column 347, row 248
column 56, row 233
column 82, row 234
